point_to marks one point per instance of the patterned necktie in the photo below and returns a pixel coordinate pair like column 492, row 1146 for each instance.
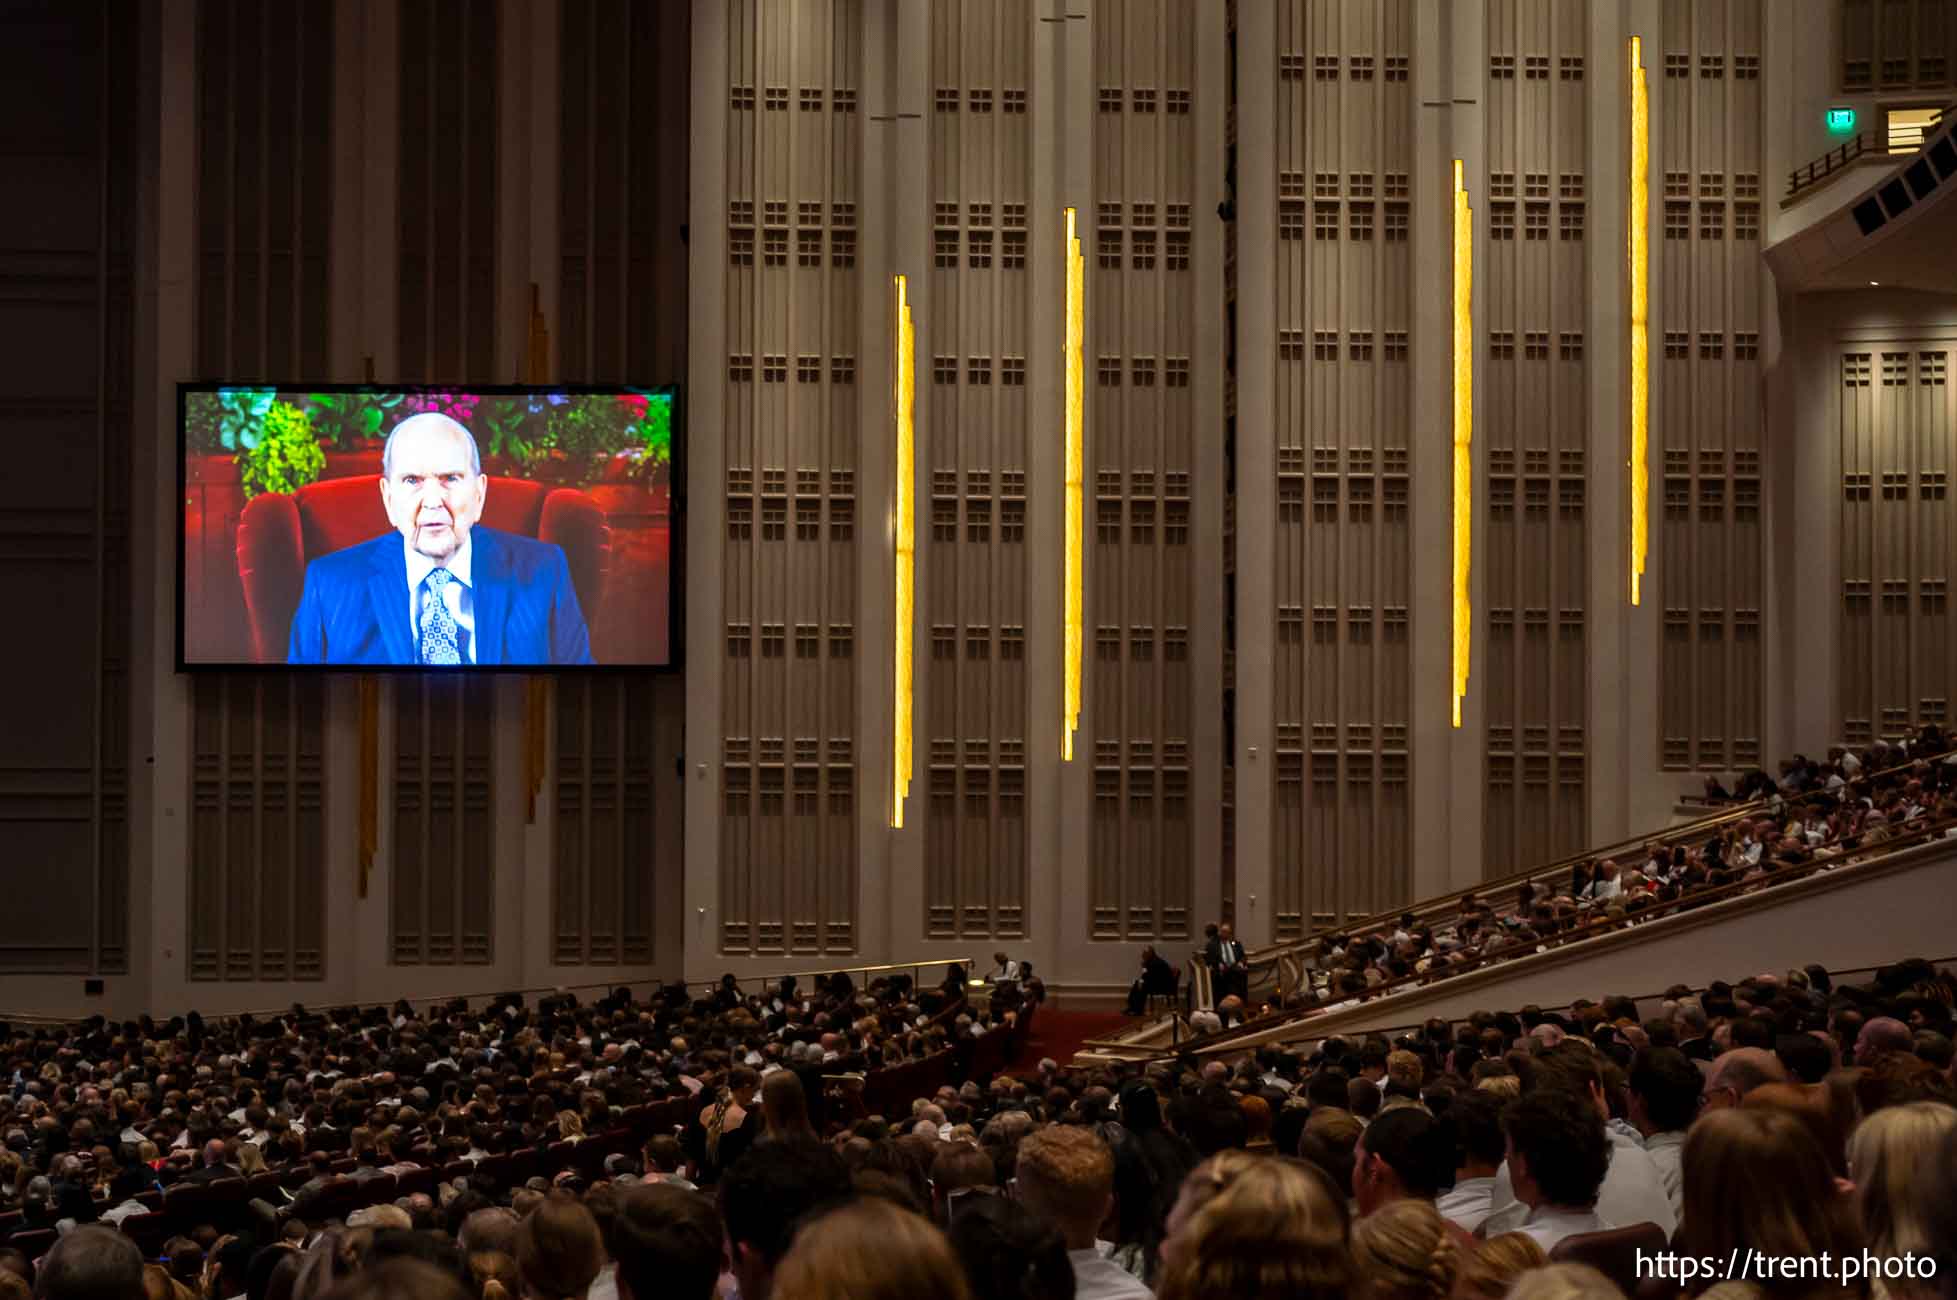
column 437, row 624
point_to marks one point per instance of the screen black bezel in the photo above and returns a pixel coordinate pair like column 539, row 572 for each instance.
column 676, row 505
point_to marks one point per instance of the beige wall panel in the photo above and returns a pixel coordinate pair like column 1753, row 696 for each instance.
column 1704, row 67
column 977, row 296
column 1894, row 414
column 1339, row 162
column 1534, row 416
column 1138, row 721
column 791, row 302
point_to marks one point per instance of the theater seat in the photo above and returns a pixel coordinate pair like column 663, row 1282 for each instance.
column 279, row 532
column 1613, row 1252
column 33, row 1242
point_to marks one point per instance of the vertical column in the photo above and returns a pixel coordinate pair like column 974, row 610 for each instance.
column 1619, row 688
column 1055, row 841
column 1445, row 839
column 1265, row 812
column 906, row 34
column 1469, row 34
column 714, row 675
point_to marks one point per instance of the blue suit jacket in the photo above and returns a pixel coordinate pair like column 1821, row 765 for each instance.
column 355, row 606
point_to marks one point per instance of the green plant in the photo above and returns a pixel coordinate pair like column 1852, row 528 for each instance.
column 343, row 420
column 656, row 431
column 284, row 455
column 226, row 420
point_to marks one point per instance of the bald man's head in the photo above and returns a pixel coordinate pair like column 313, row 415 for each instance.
column 1740, row 1071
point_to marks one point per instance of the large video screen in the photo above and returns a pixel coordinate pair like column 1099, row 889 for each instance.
column 373, row 528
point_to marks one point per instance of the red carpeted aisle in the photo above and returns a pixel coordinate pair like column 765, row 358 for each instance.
column 1059, row 1034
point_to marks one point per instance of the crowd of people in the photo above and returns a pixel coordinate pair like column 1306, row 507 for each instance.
column 1782, row 1114
column 1817, row 816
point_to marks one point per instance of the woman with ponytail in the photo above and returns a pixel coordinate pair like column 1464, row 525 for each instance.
column 1403, row 1251
column 723, row 1132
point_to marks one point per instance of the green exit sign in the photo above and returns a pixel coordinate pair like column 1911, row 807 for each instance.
column 1841, row 120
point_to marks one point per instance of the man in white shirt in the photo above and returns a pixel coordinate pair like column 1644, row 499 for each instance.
column 1474, row 1122
column 1004, row 970
column 1632, row 1190
column 1557, row 1157
column 1665, row 1088
column 1606, row 886
column 1065, row 1176
column 1750, row 847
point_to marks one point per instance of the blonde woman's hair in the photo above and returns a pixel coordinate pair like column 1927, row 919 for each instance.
column 1565, row 1282
column 251, row 1159
column 1506, row 1086
column 1277, row 1229
column 1884, row 1155
column 1403, row 1251
column 1215, row 1174
column 1497, row 1262
column 870, row 1250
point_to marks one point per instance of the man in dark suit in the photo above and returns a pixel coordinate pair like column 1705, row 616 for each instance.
column 1158, row 978
column 215, row 1164
column 1229, row 973
column 447, row 592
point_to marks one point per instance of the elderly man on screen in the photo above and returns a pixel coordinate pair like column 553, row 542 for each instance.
column 447, row 592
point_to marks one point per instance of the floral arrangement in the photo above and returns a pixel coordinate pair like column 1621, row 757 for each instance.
column 574, row 438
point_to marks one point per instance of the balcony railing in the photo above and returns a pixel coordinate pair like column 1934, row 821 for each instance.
column 1891, row 138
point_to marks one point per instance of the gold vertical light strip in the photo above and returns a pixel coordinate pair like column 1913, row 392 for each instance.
column 1464, row 429
column 903, row 392
column 1640, row 257
column 1076, row 396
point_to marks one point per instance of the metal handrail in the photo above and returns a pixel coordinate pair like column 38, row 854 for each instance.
column 1876, row 141
column 1597, row 926
column 1803, row 179
column 1441, row 906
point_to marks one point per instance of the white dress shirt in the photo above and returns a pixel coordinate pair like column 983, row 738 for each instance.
column 1549, row 1225
column 1604, row 888
column 459, row 596
column 1633, row 1192
column 1468, row 1202
column 1665, row 1149
column 1096, row 1278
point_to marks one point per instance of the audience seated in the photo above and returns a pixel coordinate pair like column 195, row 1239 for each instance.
column 425, row 1154
column 1854, row 806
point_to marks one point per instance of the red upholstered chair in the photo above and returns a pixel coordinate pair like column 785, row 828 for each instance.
column 280, row 532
